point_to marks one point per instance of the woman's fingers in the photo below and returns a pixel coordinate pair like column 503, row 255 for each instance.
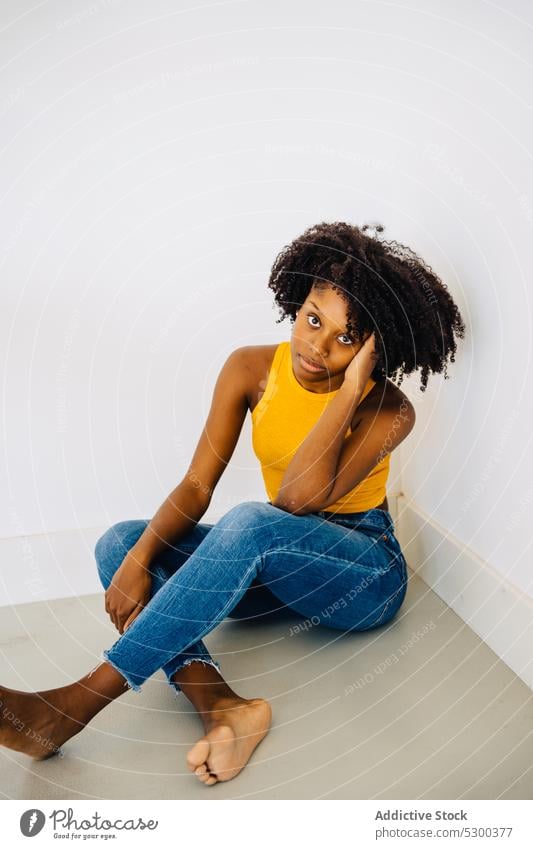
column 119, row 601
column 113, row 615
column 133, row 615
column 122, row 620
column 108, row 609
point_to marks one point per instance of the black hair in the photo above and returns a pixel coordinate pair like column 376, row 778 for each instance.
column 388, row 289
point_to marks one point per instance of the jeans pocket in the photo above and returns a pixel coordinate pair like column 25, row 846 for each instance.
column 386, row 537
column 390, row 542
column 392, row 606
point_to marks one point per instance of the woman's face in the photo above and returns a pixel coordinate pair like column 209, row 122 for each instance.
column 319, row 334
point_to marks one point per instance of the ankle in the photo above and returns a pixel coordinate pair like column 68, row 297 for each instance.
column 95, row 691
column 236, row 712
column 223, row 703
column 203, row 685
column 213, row 704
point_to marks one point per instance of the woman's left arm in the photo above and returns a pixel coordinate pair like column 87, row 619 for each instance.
column 327, row 465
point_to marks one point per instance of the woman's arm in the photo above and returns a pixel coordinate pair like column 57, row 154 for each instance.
column 130, row 588
column 327, row 465
column 183, row 508
column 188, row 502
column 310, row 474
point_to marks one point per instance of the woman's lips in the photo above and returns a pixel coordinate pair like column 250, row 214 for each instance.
column 308, row 365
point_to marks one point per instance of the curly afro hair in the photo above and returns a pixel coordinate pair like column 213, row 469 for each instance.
column 388, row 289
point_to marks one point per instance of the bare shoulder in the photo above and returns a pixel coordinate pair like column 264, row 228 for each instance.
column 255, row 362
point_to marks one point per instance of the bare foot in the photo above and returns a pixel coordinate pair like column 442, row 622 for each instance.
column 234, row 727
column 36, row 723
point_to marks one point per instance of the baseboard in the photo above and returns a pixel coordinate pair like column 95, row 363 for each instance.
column 44, row 567
column 494, row 608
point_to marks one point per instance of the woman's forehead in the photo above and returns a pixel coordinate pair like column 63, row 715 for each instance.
column 331, row 303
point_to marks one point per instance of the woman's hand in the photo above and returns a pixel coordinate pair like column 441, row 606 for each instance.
column 363, row 364
column 128, row 592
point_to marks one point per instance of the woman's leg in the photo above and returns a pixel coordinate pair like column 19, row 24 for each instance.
column 339, row 576
column 201, row 682
column 310, row 564
column 39, row 723
column 110, row 551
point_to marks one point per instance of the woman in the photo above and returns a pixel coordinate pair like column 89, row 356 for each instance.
column 323, row 545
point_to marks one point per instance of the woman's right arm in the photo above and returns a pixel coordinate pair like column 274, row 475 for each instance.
column 129, row 590
column 186, row 504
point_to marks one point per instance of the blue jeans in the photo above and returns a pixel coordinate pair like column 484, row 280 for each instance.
column 345, row 571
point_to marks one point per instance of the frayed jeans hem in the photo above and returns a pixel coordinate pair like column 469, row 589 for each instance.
column 208, row 662
column 128, row 682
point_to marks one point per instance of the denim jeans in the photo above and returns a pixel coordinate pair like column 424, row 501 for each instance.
column 344, row 571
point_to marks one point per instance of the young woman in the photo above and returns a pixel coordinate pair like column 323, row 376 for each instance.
column 325, row 419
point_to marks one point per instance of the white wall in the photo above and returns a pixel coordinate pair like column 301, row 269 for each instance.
column 157, row 157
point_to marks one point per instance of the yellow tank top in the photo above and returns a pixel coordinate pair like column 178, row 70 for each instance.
column 282, row 419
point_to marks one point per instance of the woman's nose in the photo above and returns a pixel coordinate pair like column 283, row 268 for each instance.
column 319, row 354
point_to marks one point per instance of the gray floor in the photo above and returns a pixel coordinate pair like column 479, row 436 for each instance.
column 419, row 709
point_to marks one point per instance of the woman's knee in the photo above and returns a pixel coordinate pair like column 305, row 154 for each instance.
column 112, row 547
column 250, row 512
column 251, row 523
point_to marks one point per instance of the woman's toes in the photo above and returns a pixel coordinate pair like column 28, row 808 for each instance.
column 204, row 775
column 198, row 754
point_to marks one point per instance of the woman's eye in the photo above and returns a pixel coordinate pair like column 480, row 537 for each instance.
column 312, row 315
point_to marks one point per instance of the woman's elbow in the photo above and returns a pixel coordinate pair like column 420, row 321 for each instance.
column 293, row 505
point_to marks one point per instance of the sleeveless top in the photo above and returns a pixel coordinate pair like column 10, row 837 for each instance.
column 282, row 419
